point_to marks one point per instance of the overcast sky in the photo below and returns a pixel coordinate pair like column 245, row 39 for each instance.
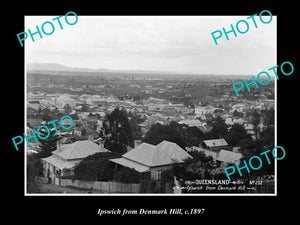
column 165, row 43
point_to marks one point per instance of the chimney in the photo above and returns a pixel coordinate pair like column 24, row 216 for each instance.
column 128, row 148
column 58, row 145
column 137, row 143
column 101, row 144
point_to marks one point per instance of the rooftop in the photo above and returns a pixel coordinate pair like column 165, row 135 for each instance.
column 215, row 142
column 146, row 156
column 229, row 157
column 78, row 150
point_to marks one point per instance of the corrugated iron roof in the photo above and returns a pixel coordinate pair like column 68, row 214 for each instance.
column 131, row 164
column 59, row 163
column 171, row 153
column 78, row 150
column 215, row 142
column 142, row 154
column 164, row 153
column 229, row 157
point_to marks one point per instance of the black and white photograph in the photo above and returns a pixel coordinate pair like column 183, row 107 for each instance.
column 149, row 104
column 132, row 113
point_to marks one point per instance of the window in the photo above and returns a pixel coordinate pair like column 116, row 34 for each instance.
column 57, row 172
column 159, row 174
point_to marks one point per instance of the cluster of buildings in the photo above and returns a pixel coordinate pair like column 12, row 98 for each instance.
column 144, row 158
column 154, row 110
column 90, row 110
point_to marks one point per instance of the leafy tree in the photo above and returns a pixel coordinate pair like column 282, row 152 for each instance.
column 34, row 169
column 251, row 148
column 236, row 133
column 48, row 145
column 267, row 133
column 193, row 136
column 29, row 125
column 46, row 111
column 85, row 108
column 74, row 116
column 237, row 114
column 209, row 118
column 134, row 122
column 191, row 169
column 55, row 111
column 46, row 115
column 117, row 130
column 149, row 186
column 136, row 98
column 267, row 136
column 126, row 175
column 268, row 117
column 136, row 130
column 219, row 128
column 199, row 164
column 67, row 109
column 247, row 148
column 40, row 110
column 255, row 120
column 171, row 132
column 180, row 134
column 96, row 167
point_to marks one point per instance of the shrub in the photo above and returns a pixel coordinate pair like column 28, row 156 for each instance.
column 126, row 175
column 148, row 186
column 34, row 169
column 96, row 167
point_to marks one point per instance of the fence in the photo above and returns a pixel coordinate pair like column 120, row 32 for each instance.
column 109, row 186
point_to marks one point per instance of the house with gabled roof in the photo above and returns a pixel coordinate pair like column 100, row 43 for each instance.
column 152, row 159
column 228, row 158
column 214, row 144
column 67, row 156
column 223, row 158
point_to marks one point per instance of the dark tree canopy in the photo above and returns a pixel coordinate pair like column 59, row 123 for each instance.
column 96, row 167
column 236, row 133
column 67, row 109
column 134, row 122
column 158, row 133
column 255, row 120
column 48, row 145
column 191, row 169
column 117, row 131
column 126, row 175
column 219, row 128
column 34, row 169
column 180, row 134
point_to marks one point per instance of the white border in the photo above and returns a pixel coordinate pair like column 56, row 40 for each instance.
column 146, row 194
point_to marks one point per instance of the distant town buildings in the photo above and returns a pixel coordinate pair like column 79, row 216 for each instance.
column 155, row 103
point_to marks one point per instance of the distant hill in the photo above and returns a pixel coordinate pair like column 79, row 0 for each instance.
column 60, row 67
column 56, row 67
